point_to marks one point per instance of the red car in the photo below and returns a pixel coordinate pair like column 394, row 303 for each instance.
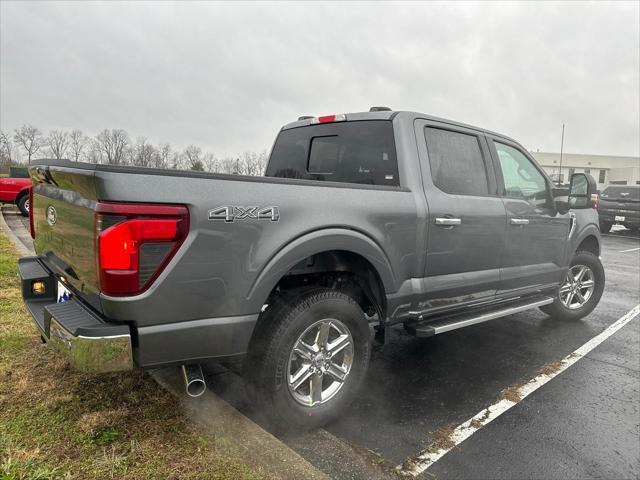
column 15, row 189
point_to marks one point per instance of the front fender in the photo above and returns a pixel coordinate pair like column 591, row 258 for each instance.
column 586, row 226
column 317, row 242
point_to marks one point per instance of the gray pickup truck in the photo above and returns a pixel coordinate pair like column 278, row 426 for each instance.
column 361, row 222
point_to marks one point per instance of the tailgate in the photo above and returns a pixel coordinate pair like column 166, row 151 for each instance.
column 63, row 208
column 620, row 201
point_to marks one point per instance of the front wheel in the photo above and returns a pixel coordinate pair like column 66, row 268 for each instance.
column 581, row 290
column 308, row 358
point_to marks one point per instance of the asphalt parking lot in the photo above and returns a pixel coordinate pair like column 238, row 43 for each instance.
column 584, row 423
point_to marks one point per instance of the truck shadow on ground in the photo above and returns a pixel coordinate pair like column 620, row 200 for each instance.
column 416, row 386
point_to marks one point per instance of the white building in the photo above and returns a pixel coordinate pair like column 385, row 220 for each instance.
column 606, row 169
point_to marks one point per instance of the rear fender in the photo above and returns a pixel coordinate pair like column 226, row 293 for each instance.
column 24, row 191
column 314, row 243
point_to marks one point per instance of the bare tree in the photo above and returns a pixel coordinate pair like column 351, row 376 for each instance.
column 6, row 151
column 112, row 145
column 143, row 153
column 263, row 158
column 229, row 165
column 176, row 161
column 120, row 140
column 163, row 156
column 192, row 155
column 29, row 138
column 252, row 163
column 77, row 144
column 58, row 142
column 94, row 152
column 211, row 163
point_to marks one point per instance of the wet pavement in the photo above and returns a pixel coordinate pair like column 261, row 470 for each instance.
column 582, row 424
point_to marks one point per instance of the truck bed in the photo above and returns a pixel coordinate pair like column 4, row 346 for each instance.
column 215, row 273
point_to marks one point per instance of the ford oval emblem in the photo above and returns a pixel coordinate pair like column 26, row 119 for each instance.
column 52, row 215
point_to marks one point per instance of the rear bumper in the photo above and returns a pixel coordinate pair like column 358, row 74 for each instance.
column 94, row 344
column 610, row 217
column 90, row 343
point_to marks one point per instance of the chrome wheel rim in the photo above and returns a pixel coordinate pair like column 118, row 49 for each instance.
column 578, row 287
column 320, row 362
column 26, row 205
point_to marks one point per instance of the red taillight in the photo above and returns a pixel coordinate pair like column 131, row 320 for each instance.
column 32, row 223
column 329, row 119
column 134, row 242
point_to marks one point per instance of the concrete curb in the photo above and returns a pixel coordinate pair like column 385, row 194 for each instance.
column 257, row 447
column 22, row 249
column 261, row 450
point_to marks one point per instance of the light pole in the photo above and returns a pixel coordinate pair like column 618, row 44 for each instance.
column 561, row 149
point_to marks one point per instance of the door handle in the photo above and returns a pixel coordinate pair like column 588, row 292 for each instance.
column 449, row 222
column 519, row 221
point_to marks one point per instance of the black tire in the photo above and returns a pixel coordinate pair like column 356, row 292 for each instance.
column 559, row 310
column 23, row 205
column 605, row 227
column 266, row 368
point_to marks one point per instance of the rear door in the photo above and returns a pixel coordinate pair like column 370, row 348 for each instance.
column 466, row 219
column 536, row 238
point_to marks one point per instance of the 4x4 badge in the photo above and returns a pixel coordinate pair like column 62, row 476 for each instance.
column 232, row 213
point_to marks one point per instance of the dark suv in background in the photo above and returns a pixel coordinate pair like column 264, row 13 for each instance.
column 619, row 204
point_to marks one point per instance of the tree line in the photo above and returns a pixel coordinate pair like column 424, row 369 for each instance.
column 116, row 147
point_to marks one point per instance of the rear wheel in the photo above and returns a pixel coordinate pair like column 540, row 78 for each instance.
column 23, row 205
column 308, row 358
column 581, row 290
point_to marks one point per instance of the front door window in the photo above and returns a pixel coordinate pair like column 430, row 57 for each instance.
column 522, row 180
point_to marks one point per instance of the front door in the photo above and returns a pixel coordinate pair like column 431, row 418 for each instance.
column 466, row 221
column 536, row 236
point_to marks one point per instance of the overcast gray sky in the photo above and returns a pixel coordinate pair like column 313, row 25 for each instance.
column 227, row 76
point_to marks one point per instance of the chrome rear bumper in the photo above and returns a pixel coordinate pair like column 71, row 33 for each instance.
column 91, row 343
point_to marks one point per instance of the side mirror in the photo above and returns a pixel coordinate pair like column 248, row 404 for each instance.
column 582, row 191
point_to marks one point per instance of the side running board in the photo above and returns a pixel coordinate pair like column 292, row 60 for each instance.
column 436, row 327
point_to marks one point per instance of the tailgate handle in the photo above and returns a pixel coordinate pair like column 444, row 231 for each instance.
column 519, row 221
column 62, row 265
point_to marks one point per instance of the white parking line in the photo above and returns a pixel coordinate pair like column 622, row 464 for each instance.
column 428, row 457
column 630, row 250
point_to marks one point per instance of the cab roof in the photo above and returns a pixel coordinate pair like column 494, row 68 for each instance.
column 404, row 115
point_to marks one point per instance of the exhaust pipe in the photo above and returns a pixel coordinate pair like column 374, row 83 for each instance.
column 193, row 380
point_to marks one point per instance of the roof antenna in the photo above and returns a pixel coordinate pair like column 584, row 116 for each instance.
column 379, row 109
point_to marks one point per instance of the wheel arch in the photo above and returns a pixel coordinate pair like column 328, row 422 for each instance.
column 323, row 251
column 589, row 243
column 22, row 193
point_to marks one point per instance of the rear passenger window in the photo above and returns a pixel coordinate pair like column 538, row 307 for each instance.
column 352, row 152
column 456, row 161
